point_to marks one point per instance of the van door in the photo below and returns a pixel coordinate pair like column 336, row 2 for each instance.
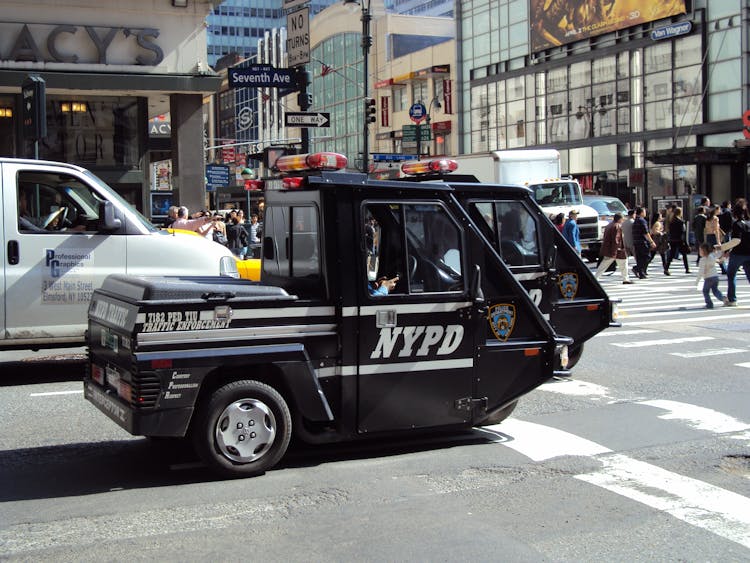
column 51, row 221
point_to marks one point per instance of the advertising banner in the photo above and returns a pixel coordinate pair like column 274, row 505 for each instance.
column 557, row 22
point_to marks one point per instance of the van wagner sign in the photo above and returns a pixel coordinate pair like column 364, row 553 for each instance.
column 79, row 44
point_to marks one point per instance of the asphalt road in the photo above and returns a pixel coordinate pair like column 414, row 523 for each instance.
column 643, row 455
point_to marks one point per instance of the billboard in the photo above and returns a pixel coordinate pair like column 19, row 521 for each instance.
column 557, row 22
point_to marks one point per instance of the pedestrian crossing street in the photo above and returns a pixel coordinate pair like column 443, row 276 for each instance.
column 661, row 302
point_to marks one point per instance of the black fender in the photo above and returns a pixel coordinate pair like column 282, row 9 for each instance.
column 299, row 377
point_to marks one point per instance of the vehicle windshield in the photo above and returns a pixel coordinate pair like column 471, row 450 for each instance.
column 114, row 196
column 557, row 193
column 607, row 206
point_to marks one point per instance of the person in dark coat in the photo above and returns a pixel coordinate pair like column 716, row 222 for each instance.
column 677, row 245
column 236, row 236
column 642, row 243
column 613, row 249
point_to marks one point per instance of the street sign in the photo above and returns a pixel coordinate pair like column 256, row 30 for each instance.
column 417, row 112
column 261, row 76
column 298, row 37
column 292, row 4
column 217, row 175
column 301, row 119
column 391, row 157
column 409, row 133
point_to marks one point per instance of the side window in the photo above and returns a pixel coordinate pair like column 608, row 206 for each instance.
column 291, row 243
column 417, row 242
column 50, row 202
column 512, row 229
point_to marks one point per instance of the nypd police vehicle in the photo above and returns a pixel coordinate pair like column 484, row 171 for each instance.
column 384, row 308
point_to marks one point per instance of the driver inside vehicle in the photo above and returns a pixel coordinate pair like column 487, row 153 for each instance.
column 26, row 222
column 383, row 286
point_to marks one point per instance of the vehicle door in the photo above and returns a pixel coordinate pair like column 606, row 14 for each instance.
column 57, row 257
column 558, row 281
column 424, row 347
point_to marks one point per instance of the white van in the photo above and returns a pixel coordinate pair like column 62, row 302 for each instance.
column 64, row 231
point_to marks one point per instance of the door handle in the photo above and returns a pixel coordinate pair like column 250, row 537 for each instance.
column 14, row 255
column 385, row 318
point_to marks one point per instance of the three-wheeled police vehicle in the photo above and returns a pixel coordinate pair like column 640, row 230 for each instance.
column 384, row 308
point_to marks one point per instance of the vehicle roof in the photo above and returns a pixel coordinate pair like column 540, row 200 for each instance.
column 448, row 183
column 44, row 162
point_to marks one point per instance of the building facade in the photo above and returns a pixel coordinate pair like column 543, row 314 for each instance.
column 644, row 100
column 103, row 82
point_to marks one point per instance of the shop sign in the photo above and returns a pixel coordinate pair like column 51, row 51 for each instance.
column 673, row 30
column 79, row 44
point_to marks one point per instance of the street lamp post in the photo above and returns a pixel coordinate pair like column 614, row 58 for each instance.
column 366, row 44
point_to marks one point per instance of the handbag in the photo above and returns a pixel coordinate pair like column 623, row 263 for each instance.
column 220, row 238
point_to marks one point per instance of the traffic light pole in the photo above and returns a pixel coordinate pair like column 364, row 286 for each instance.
column 366, row 44
column 304, row 100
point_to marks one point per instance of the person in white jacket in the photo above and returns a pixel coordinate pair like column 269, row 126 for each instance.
column 709, row 257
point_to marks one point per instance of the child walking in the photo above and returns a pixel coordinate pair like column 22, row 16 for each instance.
column 709, row 256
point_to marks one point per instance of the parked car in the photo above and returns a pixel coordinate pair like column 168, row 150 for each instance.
column 606, row 207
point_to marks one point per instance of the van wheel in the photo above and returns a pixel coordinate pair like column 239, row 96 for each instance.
column 243, row 429
column 574, row 354
column 500, row 415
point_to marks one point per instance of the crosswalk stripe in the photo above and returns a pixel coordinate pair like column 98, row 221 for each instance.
column 743, row 365
column 625, row 332
column 700, row 504
column 697, row 417
column 661, row 342
column 688, row 320
column 708, row 352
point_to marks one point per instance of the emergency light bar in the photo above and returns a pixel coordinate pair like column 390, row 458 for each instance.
column 311, row 162
column 437, row 165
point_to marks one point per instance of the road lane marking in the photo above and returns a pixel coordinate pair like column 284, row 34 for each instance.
column 698, row 417
column 51, row 393
column 661, row 342
column 700, row 504
column 709, row 352
column 743, row 365
column 684, row 320
column 578, row 388
column 625, row 332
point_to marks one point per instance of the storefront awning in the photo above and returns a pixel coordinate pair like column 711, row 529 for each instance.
column 700, row 155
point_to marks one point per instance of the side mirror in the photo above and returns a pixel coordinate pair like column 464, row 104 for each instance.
column 268, row 248
column 476, row 285
column 107, row 220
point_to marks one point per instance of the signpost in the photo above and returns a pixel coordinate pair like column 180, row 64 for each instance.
column 417, row 112
column 217, row 176
column 33, row 110
column 298, row 37
column 261, row 76
column 302, row 119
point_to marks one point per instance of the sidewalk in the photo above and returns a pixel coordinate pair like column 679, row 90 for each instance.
column 57, row 355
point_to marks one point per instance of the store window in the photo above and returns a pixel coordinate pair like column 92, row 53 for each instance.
column 93, row 132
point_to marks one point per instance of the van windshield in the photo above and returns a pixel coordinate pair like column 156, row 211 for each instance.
column 557, row 193
column 113, row 196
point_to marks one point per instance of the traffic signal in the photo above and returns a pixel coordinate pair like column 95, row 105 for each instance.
column 370, row 110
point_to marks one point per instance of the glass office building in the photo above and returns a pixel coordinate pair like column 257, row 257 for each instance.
column 646, row 107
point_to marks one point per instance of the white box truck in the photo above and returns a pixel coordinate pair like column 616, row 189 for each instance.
column 538, row 170
column 64, row 231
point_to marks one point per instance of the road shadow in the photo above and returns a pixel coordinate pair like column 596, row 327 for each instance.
column 47, row 371
column 92, row 468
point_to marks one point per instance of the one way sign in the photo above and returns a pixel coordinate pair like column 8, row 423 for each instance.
column 301, row 119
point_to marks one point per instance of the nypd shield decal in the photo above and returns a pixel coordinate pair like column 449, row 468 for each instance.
column 568, row 283
column 502, row 319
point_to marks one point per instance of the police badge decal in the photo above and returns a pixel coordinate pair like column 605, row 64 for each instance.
column 568, row 284
column 502, row 319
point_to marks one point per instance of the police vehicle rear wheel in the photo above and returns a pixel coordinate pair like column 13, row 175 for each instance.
column 243, row 430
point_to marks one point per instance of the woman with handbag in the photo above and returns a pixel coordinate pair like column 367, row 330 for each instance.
column 677, row 245
column 713, row 233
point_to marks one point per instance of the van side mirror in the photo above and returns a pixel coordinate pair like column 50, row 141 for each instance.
column 268, row 248
column 107, row 220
